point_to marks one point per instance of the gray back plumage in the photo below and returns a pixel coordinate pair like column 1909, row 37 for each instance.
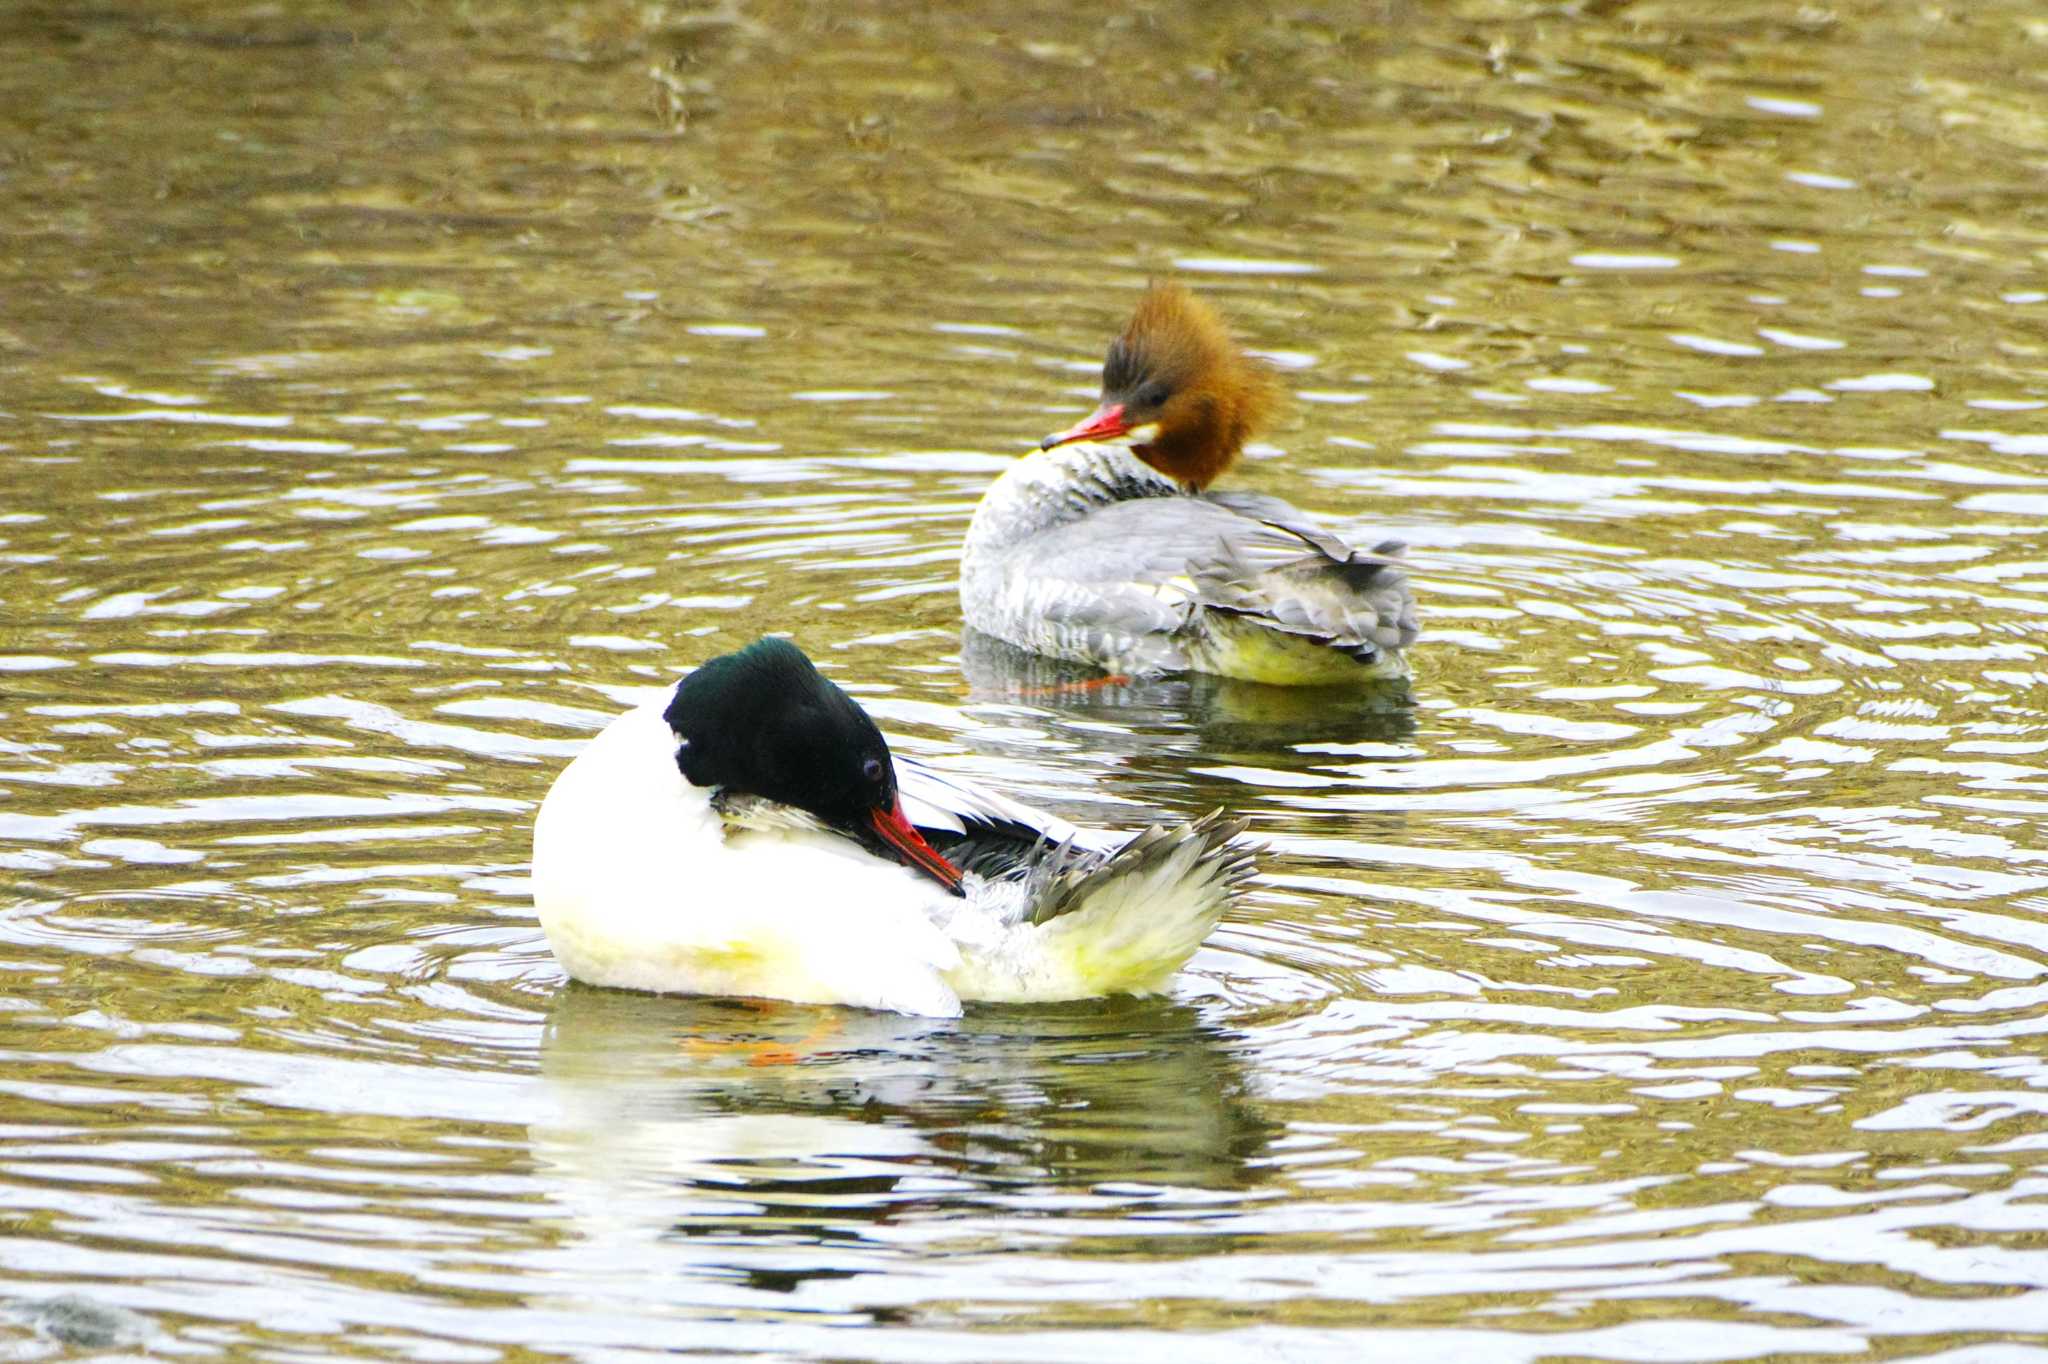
column 1091, row 554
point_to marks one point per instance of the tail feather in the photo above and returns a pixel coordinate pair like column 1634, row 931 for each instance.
column 1116, row 924
column 1129, row 923
column 1205, row 841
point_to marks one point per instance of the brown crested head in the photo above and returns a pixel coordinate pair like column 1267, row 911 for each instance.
column 1176, row 370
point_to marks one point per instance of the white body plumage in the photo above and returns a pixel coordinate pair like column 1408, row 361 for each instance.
column 642, row 882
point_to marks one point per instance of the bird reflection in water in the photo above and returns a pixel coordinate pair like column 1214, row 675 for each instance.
column 1188, row 713
column 740, row 1123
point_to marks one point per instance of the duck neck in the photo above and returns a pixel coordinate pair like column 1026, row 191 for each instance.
column 1191, row 459
column 1043, row 491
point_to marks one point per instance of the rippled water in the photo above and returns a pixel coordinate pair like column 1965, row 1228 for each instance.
column 386, row 392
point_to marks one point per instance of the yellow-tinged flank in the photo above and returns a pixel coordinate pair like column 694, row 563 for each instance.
column 1253, row 653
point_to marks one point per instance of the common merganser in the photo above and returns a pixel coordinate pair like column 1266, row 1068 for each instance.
column 749, row 833
column 1121, row 557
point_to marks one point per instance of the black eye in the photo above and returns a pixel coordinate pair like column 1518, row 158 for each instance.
column 872, row 770
column 1153, row 395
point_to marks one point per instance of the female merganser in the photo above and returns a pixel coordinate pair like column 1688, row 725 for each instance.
column 750, row 834
column 1119, row 556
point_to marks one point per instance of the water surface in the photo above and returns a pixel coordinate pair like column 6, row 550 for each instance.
column 386, row 393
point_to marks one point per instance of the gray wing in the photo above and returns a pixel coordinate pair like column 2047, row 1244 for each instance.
column 1356, row 601
column 1120, row 556
column 1148, row 566
column 1101, row 589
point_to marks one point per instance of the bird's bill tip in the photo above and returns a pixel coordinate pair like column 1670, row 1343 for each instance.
column 1104, row 423
column 894, row 828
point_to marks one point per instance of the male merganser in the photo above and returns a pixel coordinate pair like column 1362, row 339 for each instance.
column 1121, row 557
column 750, row 833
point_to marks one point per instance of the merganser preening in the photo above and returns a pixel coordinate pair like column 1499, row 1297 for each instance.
column 750, row 834
column 1121, row 557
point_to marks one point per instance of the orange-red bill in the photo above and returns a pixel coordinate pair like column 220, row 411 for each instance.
column 1104, row 423
column 893, row 827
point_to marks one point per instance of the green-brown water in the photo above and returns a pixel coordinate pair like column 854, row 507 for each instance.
column 387, row 390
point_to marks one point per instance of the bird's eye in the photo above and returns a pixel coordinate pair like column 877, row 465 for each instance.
column 872, row 770
column 1154, row 395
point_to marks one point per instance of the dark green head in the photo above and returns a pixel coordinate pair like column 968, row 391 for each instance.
column 764, row 722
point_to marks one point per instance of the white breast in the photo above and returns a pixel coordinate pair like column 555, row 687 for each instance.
column 638, row 885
